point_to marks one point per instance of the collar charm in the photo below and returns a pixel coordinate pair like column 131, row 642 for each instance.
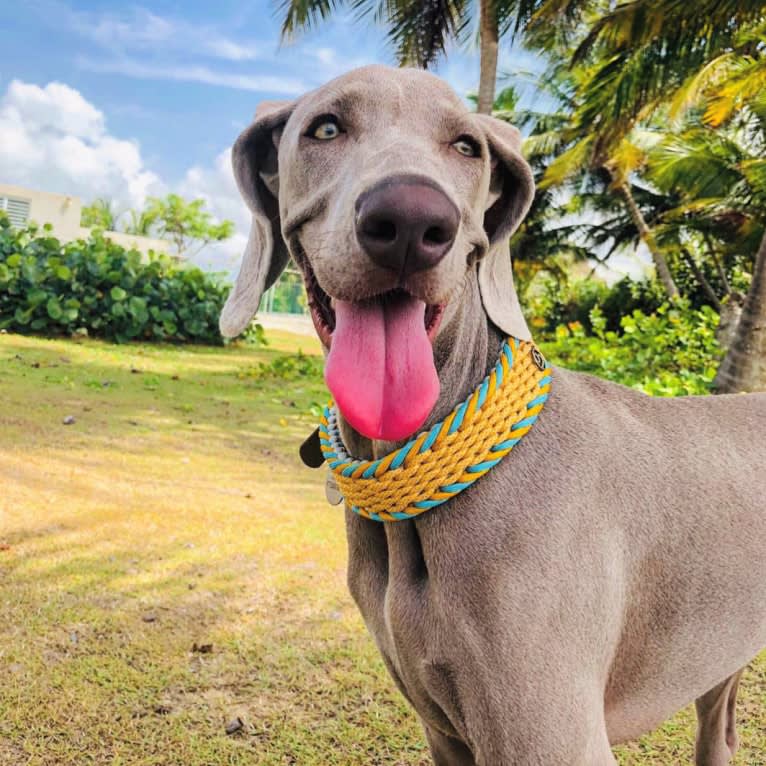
column 438, row 464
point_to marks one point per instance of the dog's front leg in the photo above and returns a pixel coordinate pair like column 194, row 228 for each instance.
column 716, row 728
column 447, row 751
column 556, row 728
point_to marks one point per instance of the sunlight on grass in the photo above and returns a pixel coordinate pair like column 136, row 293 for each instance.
column 167, row 565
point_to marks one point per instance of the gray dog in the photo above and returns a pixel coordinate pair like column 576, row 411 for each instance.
column 608, row 571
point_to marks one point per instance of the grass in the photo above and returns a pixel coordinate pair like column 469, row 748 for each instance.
column 167, row 566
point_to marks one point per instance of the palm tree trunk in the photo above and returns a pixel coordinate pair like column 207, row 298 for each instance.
column 718, row 265
column 488, row 40
column 744, row 366
column 702, row 280
column 645, row 233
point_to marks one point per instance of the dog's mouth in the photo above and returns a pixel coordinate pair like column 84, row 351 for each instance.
column 322, row 309
column 380, row 368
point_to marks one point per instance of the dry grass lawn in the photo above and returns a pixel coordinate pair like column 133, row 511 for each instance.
column 167, row 566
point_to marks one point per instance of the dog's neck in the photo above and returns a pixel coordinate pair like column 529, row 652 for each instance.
column 466, row 348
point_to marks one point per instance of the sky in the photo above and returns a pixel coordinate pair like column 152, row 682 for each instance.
column 124, row 101
column 116, row 100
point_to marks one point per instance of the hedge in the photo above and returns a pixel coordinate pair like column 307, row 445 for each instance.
column 99, row 288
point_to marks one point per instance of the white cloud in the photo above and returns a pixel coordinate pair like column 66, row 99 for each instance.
column 56, row 107
column 194, row 73
column 52, row 138
column 139, row 30
column 136, row 42
column 316, row 66
column 325, row 63
column 216, row 185
column 231, row 50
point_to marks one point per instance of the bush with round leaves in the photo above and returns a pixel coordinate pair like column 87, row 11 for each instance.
column 97, row 287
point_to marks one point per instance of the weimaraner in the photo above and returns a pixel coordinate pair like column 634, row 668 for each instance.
column 607, row 572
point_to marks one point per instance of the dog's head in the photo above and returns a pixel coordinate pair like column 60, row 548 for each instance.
column 387, row 192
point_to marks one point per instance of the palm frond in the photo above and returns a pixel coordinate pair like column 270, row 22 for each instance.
column 298, row 15
column 746, row 80
column 644, row 51
column 672, row 25
column 691, row 91
column 754, row 172
column 699, row 162
column 625, row 159
column 543, row 145
column 513, row 16
column 420, row 29
column 569, row 162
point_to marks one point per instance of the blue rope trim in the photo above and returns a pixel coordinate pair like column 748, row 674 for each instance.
column 399, row 459
column 431, row 438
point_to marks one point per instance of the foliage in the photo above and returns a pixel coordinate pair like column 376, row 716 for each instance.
column 671, row 352
column 185, row 223
column 100, row 214
column 139, row 223
column 643, row 51
column 98, row 288
column 289, row 368
column 418, row 31
column 572, row 302
column 287, row 295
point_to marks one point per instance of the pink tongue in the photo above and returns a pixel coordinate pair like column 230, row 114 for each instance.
column 380, row 369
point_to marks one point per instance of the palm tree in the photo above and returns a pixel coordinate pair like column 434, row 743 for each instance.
column 583, row 147
column 542, row 242
column 101, row 214
column 642, row 54
column 646, row 50
column 140, row 223
column 731, row 91
column 744, row 366
column 420, row 30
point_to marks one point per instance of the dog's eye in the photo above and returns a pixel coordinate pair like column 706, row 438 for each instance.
column 467, row 147
column 324, row 128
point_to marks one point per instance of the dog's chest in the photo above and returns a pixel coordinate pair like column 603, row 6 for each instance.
column 417, row 637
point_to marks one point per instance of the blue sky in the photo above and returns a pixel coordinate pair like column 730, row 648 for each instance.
column 120, row 100
column 100, row 98
column 183, row 78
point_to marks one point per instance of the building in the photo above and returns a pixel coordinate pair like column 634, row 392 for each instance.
column 62, row 212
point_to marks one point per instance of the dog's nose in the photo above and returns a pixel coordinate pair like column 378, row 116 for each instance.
column 406, row 225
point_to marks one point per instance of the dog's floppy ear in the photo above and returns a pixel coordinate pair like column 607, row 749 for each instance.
column 254, row 159
column 511, row 192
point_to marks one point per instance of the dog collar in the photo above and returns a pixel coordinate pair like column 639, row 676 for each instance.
column 440, row 463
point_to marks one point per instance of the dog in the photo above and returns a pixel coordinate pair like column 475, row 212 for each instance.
column 608, row 571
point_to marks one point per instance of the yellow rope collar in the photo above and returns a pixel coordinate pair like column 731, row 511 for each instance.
column 438, row 464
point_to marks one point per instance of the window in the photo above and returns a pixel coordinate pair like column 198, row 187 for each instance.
column 16, row 209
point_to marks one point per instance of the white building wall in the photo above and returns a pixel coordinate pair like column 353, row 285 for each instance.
column 63, row 211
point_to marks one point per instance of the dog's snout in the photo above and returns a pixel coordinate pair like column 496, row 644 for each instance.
column 406, row 225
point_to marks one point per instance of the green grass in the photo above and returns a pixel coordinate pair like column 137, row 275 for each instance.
column 174, row 511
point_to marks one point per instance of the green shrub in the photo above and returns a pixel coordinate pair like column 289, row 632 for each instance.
column 287, row 296
column 671, row 352
column 98, row 288
column 561, row 304
column 289, row 368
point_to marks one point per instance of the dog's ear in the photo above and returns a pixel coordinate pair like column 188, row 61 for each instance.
column 254, row 159
column 511, row 192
